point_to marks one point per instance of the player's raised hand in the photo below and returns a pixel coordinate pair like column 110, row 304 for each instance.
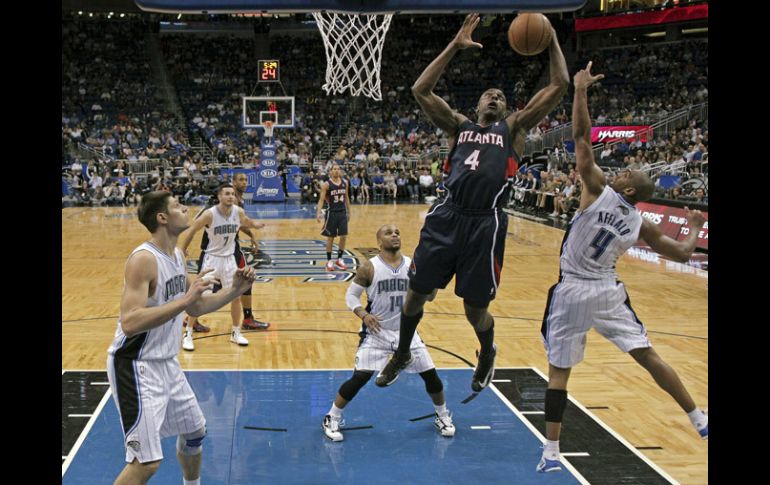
column 583, row 78
column 463, row 38
column 694, row 218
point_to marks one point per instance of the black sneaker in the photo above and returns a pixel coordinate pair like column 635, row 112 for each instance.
column 485, row 370
column 389, row 374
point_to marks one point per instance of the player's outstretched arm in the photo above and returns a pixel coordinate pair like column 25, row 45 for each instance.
column 545, row 100
column 436, row 109
column 198, row 224
column 677, row 250
column 201, row 305
column 248, row 223
column 592, row 176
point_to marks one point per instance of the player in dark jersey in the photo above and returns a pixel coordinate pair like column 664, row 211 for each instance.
column 240, row 182
column 464, row 234
column 334, row 193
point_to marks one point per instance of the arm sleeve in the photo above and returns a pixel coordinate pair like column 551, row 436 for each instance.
column 353, row 295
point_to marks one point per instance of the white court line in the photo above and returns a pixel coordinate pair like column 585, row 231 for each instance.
column 481, row 427
column 615, row 435
column 79, row 415
column 580, row 478
column 576, row 453
column 84, row 433
column 100, row 383
column 533, row 412
column 501, row 380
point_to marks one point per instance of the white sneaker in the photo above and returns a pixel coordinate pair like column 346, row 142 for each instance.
column 554, row 214
column 444, row 425
column 187, row 342
column 237, row 338
column 564, row 216
column 331, row 427
column 329, row 266
column 341, row 264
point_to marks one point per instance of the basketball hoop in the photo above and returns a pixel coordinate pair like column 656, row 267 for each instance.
column 353, row 45
column 268, row 126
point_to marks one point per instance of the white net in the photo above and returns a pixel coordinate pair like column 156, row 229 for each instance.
column 353, row 51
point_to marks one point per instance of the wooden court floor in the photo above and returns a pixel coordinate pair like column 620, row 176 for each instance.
column 312, row 328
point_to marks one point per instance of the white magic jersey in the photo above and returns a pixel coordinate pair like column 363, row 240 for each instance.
column 386, row 296
column 598, row 236
column 160, row 342
column 223, row 231
column 387, row 292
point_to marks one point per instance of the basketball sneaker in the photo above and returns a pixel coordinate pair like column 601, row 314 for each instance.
column 250, row 324
column 237, row 338
column 198, row 327
column 389, row 373
column 187, row 342
column 340, row 264
column 331, row 427
column 547, row 465
column 444, row 425
column 329, row 266
column 485, row 370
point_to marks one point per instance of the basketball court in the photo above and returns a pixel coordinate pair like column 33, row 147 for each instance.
column 264, row 403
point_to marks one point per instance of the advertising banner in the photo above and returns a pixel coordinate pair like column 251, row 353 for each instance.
column 606, row 134
column 672, row 222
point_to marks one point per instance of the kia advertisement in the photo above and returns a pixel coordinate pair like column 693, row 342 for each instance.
column 606, row 134
column 672, row 222
column 268, row 182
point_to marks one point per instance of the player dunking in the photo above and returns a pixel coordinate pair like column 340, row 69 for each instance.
column 464, row 234
column 152, row 395
column 589, row 294
column 335, row 194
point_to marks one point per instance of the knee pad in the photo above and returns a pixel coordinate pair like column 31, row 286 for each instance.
column 350, row 388
column 190, row 444
column 432, row 382
column 555, row 403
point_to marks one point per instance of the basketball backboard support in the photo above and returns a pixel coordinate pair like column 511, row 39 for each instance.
column 258, row 109
column 359, row 6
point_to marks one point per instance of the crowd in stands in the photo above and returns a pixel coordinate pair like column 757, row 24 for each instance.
column 113, row 103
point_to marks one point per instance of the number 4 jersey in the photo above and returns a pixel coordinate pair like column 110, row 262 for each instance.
column 598, row 236
column 480, row 164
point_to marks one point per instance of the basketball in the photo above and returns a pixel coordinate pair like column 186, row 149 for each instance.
column 529, row 34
